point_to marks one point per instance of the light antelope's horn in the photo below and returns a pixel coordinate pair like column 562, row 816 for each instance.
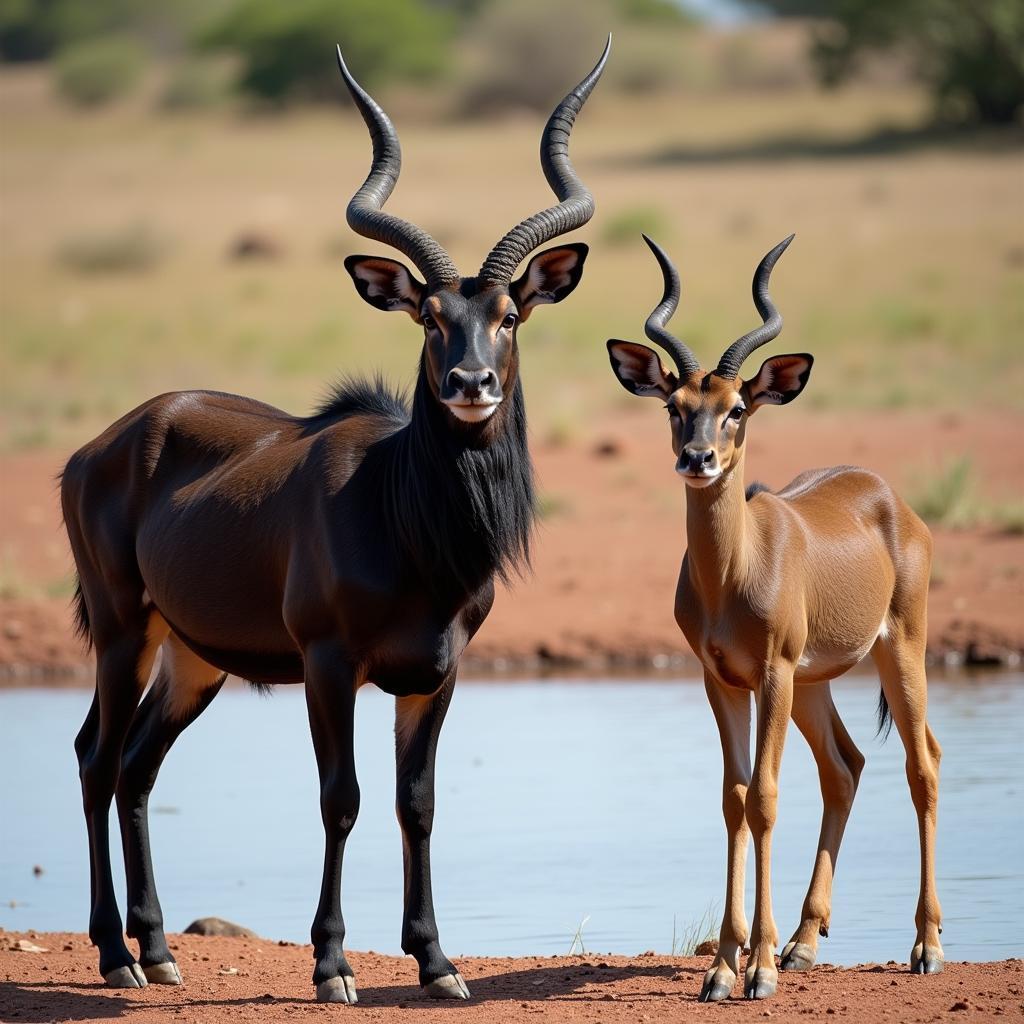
column 686, row 362
column 734, row 356
column 576, row 204
column 364, row 213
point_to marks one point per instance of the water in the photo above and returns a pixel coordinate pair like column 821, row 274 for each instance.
column 556, row 801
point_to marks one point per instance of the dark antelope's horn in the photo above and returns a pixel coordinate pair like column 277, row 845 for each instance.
column 364, row 213
column 734, row 356
column 576, row 204
column 686, row 362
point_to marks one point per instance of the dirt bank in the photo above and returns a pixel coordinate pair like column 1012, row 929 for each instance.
column 610, row 543
column 257, row 980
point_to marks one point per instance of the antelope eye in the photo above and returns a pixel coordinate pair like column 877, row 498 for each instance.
column 738, row 412
column 428, row 322
column 509, row 322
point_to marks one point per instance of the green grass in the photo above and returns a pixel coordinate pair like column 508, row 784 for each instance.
column 946, row 497
column 625, row 226
column 949, row 497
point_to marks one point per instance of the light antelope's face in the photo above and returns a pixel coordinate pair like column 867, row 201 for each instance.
column 707, row 416
column 470, row 328
column 707, row 413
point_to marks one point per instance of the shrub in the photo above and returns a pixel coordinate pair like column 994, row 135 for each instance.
column 194, row 84
column 286, row 48
column 96, row 71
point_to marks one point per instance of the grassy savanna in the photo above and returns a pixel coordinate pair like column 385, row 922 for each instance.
column 905, row 281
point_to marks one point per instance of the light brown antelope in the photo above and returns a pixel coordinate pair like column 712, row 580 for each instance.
column 358, row 545
column 778, row 594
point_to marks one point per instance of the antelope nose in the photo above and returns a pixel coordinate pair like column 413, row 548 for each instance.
column 472, row 383
column 695, row 461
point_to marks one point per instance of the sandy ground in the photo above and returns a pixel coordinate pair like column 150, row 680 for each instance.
column 257, row 980
column 610, row 543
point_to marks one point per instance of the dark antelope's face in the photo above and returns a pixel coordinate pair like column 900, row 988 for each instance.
column 470, row 327
column 707, row 413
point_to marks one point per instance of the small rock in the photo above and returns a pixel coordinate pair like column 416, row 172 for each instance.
column 709, row 947
column 228, row 970
column 647, row 952
column 607, row 448
column 218, row 926
column 961, row 1004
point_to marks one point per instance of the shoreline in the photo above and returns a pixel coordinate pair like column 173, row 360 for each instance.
column 241, row 979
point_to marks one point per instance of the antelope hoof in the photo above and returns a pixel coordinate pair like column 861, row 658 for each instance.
column 926, row 960
column 760, row 983
column 163, row 974
column 131, row 976
column 337, row 990
column 448, row 986
column 797, row 956
column 718, row 985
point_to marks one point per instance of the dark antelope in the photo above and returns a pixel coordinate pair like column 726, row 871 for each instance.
column 356, row 545
column 778, row 594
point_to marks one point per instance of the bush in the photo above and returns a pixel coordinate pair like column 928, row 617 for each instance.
column 971, row 55
column 286, row 49
column 134, row 248
column 95, row 72
column 195, row 84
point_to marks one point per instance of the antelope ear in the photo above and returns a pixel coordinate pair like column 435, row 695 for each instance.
column 779, row 380
column 640, row 370
column 550, row 276
column 386, row 284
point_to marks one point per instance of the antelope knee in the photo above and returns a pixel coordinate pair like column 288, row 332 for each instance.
column 733, row 805
column 761, row 808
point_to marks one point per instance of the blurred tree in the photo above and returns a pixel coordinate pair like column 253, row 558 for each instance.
column 969, row 52
column 36, row 29
column 285, row 48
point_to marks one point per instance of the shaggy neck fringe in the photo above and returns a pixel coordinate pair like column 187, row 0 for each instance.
column 459, row 510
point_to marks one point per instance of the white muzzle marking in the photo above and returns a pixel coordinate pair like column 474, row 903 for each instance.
column 472, row 412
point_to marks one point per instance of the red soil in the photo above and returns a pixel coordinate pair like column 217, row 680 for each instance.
column 257, row 980
column 609, row 549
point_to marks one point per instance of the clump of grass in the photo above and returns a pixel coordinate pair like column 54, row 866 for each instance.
column 703, row 929
column 945, row 497
column 949, row 498
column 130, row 249
column 551, row 505
column 577, row 939
column 562, row 430
column 626, row 225
column 1008, row 518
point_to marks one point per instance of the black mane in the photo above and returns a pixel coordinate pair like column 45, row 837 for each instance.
column 458, row 510
column 352, row 396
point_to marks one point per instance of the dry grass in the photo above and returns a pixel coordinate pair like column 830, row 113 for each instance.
column 905, row 281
